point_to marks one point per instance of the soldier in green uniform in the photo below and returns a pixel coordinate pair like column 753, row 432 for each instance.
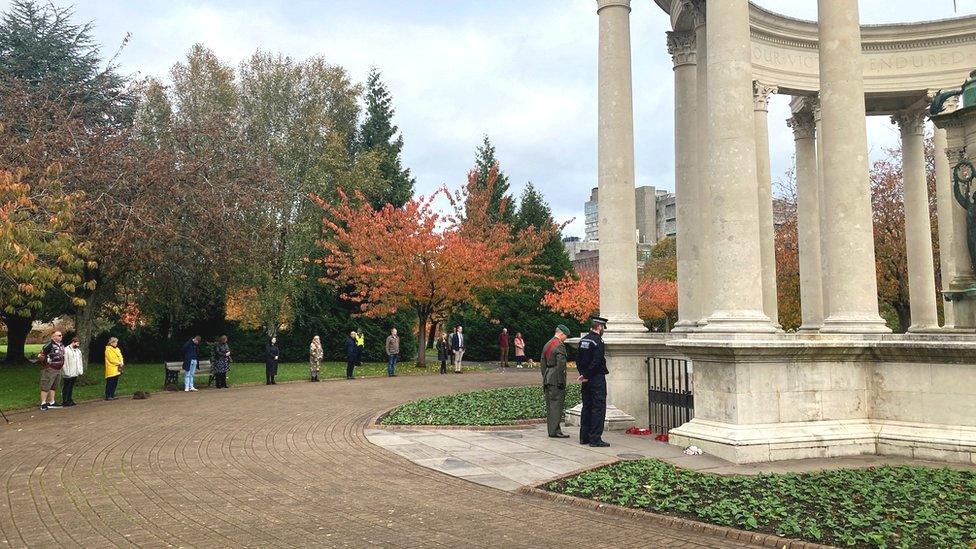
column 554, row 380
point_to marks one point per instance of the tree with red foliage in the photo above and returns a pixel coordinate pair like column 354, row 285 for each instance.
column 417, row 258
column 578, row 295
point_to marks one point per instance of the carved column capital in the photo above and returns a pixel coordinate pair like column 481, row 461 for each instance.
column 911, row 122
column 815, row 108
column 803, row 125
column 696, row 8
column 681, row 46
column 600, row 4
column 761, row 93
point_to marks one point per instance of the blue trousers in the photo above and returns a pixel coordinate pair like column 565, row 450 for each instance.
column 391, row 365
column 188, row 375
column 111, row 383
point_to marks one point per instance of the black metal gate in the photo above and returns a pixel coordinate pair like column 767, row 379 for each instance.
column 670, row 393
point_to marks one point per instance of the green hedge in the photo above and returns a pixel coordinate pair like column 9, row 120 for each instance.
column 873, row 507
column 485, row 407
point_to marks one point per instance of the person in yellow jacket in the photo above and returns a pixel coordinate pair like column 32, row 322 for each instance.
column 113, row 367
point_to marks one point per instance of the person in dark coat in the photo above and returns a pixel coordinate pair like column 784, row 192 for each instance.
column 352, row 354
column 591, row 363
column 271, row 354
column 221, row 362
column 443, row 352
column 191, row 354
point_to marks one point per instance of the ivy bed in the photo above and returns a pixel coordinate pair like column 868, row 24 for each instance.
column 903, row 506
column 488, row 407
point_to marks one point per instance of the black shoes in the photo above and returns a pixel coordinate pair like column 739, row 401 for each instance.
column 600, row 444
column 559, row 435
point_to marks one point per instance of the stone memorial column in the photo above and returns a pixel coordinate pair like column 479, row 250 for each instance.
column 681, row 45
column 703, row 215
column 618, row 219
column 943, row 205
column 808, row 220
column 848, row 232
column 818, row 128
column 918, row 230
column 767, row 237
column 732, row 195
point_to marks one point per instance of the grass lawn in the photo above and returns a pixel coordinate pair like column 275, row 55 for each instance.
column 876, row 507
column 30, row 349
column 19, row 384
column 485, row 407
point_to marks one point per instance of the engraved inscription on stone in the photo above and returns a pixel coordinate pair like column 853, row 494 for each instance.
column 920, row 60
column 875, row 63
column 783, row 59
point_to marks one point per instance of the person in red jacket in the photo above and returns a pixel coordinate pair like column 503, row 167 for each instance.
column 503, row 346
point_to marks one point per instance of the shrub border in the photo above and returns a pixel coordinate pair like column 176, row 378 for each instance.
column 519, row 424
column 765, row 540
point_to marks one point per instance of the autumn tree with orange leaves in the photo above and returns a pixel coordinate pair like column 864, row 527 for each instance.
column 417, row 258
column 578, row 294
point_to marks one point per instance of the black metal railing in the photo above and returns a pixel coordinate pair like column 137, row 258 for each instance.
column 670, row 393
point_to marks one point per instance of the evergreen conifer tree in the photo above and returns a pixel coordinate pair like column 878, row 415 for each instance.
column 501, row 206
column 379, row 135
column 45, row 54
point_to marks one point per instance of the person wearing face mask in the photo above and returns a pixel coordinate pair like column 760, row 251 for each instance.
column 73, row 368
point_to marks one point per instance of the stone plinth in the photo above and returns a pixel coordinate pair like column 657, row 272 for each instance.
column 794, row 397
column 616, row 420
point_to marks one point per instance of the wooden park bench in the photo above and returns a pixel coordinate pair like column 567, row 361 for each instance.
column 174, row 369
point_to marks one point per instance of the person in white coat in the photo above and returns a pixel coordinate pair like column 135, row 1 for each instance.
column 73, row 368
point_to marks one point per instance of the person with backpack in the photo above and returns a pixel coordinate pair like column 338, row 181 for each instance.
column 51, row 360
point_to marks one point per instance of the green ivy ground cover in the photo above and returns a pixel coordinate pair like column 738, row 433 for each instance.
column 876, row 507
column 485, row 407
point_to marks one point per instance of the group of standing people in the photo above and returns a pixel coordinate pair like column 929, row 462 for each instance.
column 63, row 364
column 451, row 349
column 591, row 365
column 219, row 362
column 60, row 364
column 503, row 347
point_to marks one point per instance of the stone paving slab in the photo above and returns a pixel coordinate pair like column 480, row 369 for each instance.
column 528, row 457
column 288, row 466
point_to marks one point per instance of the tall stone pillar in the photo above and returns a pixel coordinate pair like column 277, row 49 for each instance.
column 849, row 237
column 764, row 177
column 681, row 45
column 808, row 220
column 943, row 205
column 918, row 230
column 824, row 280
column 618, row 222
column 704, row 283
column 731, row 176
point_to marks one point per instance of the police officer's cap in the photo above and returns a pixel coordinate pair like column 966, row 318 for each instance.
column 598, row 320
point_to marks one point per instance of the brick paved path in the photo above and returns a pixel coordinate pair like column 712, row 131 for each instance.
column 280, row 466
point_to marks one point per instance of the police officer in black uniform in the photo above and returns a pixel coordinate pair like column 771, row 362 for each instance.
column 592, row 367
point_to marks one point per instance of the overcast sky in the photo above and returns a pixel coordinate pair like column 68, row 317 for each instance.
column 522, row 71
